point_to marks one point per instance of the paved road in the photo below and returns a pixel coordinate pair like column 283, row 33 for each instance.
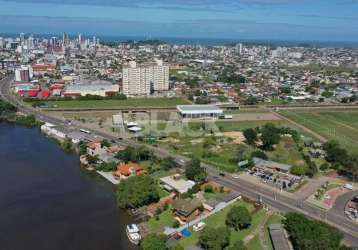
column 273, row 199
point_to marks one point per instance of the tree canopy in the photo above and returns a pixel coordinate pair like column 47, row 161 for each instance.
column 153, row 242
column 137, row 191
column 307, row 234
column 214, row 238
column 270, row 135
column 250, row 136
column 238, row 218
column 194, row 171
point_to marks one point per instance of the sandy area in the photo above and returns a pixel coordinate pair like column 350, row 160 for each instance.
column 238, row 137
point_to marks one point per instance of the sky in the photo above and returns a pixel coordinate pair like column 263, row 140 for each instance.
column 298, row 20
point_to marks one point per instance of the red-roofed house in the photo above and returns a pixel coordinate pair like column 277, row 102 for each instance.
column 130, row 169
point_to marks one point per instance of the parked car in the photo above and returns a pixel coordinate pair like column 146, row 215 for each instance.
column 199, row 226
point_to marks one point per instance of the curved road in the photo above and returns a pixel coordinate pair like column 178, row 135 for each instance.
column 273, row 199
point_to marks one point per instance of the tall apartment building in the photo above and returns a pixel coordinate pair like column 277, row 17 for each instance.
column 144, row 79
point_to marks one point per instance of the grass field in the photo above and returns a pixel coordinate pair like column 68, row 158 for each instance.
column 339, row 125
column 129, row 103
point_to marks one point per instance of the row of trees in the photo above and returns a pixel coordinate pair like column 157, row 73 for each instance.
column 81, row 98
column 341, row 160
column 307, row 234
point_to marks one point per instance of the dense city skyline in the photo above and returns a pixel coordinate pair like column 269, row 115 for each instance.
column 331, row 20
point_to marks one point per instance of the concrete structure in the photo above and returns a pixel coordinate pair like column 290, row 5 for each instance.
column 144, row 79
column 101, row 89
column 51, row 130
column 199, row 111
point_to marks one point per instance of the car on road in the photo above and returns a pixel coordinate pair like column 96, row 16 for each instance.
column 235, row 176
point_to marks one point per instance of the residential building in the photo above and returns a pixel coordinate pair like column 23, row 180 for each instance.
column 127, row 170
column 144, row 79
column 176, row 183
column 187, row 209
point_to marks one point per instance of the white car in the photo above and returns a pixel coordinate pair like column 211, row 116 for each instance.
column 199, row 226
column 235, row 176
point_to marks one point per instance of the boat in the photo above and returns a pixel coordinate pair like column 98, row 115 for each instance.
column 133, row 234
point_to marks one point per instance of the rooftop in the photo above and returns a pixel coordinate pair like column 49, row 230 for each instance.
column 193, row 109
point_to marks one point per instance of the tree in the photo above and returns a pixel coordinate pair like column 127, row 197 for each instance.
column 298, row 170
column 169, row 163
column 239, row 245
column 153, row 242
column 335, row 153
column 238, row 218
column 250, row 136
column 251, row 100
column 307, row 234
column 92, row 159
column 214, row 238
column 105, row 143
column 137, row 191
column 270, row 135
column 194, row 171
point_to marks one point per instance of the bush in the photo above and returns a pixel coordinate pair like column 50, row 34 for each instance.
column 176, row 224
column 208, row 189
column 259, row 154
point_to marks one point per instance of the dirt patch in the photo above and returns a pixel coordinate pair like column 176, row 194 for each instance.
column 197, row 141
column 170, row 140
column 238, row 137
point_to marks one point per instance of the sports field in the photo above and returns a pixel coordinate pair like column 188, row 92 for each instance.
column 339, row 125
column 130, row 102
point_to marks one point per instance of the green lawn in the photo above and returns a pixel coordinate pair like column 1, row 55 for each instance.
column 254, row 244
column 129, row 103
column 218, row 220
column 157, row 226
column 340, row 125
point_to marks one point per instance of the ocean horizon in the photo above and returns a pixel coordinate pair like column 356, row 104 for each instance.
column 205, row 41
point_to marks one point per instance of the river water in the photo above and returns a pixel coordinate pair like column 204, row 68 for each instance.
column 47, row 202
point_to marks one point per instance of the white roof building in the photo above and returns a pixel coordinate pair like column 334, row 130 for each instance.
column 176, row 183
column 199, row 111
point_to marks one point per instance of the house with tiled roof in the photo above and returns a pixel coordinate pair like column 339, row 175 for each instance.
column 127, row 170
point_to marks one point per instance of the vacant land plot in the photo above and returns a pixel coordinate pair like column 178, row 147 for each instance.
column 340, row 125
column 129, row 103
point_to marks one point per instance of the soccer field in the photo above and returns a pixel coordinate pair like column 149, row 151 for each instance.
column 339, row 125
column 129, row 103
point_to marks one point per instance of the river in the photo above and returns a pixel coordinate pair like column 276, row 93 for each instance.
column 47, row 202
